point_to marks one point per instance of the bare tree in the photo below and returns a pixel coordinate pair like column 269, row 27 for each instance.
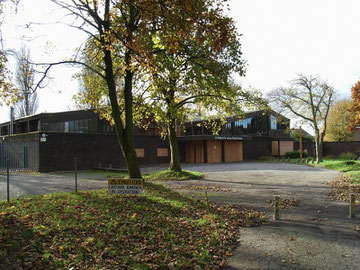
column 308, row 98
column 25, row 83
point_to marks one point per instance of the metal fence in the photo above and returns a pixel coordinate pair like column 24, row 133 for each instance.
column 22, row 156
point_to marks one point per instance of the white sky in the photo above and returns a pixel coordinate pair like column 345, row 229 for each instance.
column 281, row 38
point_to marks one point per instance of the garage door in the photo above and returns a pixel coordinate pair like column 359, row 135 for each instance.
column 214, row 152
column 286, row 146
column 233, row 151
column 275, row 148
column 195, row 152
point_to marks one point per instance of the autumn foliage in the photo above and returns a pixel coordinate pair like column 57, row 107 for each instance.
column 355, row 109
column 338, row 122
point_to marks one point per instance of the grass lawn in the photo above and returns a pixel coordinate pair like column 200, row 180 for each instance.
column 95, row 230
column 169, row 175
column 157, row 176
column 351, row 168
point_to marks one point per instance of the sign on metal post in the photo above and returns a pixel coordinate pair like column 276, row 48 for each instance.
column 125, row 186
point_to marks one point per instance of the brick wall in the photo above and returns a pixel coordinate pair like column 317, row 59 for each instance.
column 257, row 147
column 337, row 148
column 58, row 151
column 332, row 148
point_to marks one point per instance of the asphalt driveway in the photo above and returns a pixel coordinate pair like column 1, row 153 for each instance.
column 315, row 233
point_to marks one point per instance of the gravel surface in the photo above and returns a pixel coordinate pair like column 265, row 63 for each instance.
column 316, row 234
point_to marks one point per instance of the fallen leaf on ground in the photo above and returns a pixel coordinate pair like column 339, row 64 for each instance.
column 205, row 187
column 342, row 187
column 285, row 203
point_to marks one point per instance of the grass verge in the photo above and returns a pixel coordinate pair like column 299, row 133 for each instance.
column 351, row 168
column 95, row 230
column 170, row 175
column 157, row 176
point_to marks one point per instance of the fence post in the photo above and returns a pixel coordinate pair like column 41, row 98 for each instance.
column 352, row 205
column 276, row 207
column 75, row 170
column 8, row 180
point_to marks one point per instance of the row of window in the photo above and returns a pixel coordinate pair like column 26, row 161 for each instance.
column 81, row 126
column 93, row 126
column 76, row 126
column 251, row 125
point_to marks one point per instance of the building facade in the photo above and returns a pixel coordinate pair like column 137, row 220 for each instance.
column 260, row 133
column 57, row 138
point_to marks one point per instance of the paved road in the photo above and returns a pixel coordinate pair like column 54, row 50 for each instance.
column 316, row 234
column 22, row 184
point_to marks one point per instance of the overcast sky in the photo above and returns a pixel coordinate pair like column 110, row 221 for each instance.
column 280, row 38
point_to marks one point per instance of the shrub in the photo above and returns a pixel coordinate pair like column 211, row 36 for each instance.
column 266, row 158
column 294, row 154
column 329, row 157
column 347, row 156
column 349, row 162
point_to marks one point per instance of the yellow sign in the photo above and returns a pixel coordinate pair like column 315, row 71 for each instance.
column 125, row 186
column 118, row 181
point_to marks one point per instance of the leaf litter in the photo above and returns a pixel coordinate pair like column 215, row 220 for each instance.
column 94, row 230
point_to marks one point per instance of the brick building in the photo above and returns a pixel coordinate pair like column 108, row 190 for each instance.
column 56, row 138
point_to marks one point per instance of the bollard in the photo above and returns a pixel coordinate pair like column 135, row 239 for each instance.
column 276, row 207
column 75, row 171
column 7, row 180
column 352, row 205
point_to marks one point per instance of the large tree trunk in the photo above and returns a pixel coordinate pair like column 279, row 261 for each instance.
column 175, row 164
column 129, row 145
column 125, row 133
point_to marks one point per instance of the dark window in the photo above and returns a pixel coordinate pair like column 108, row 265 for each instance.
column 227, row 129
column 188, row 130
column 197, row 129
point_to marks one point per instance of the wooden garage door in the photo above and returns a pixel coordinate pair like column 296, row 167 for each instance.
column 214, row 152
column 286, row 146
column 195, row 152
column 275, row 148
column 233, row 151
column 190, row 152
